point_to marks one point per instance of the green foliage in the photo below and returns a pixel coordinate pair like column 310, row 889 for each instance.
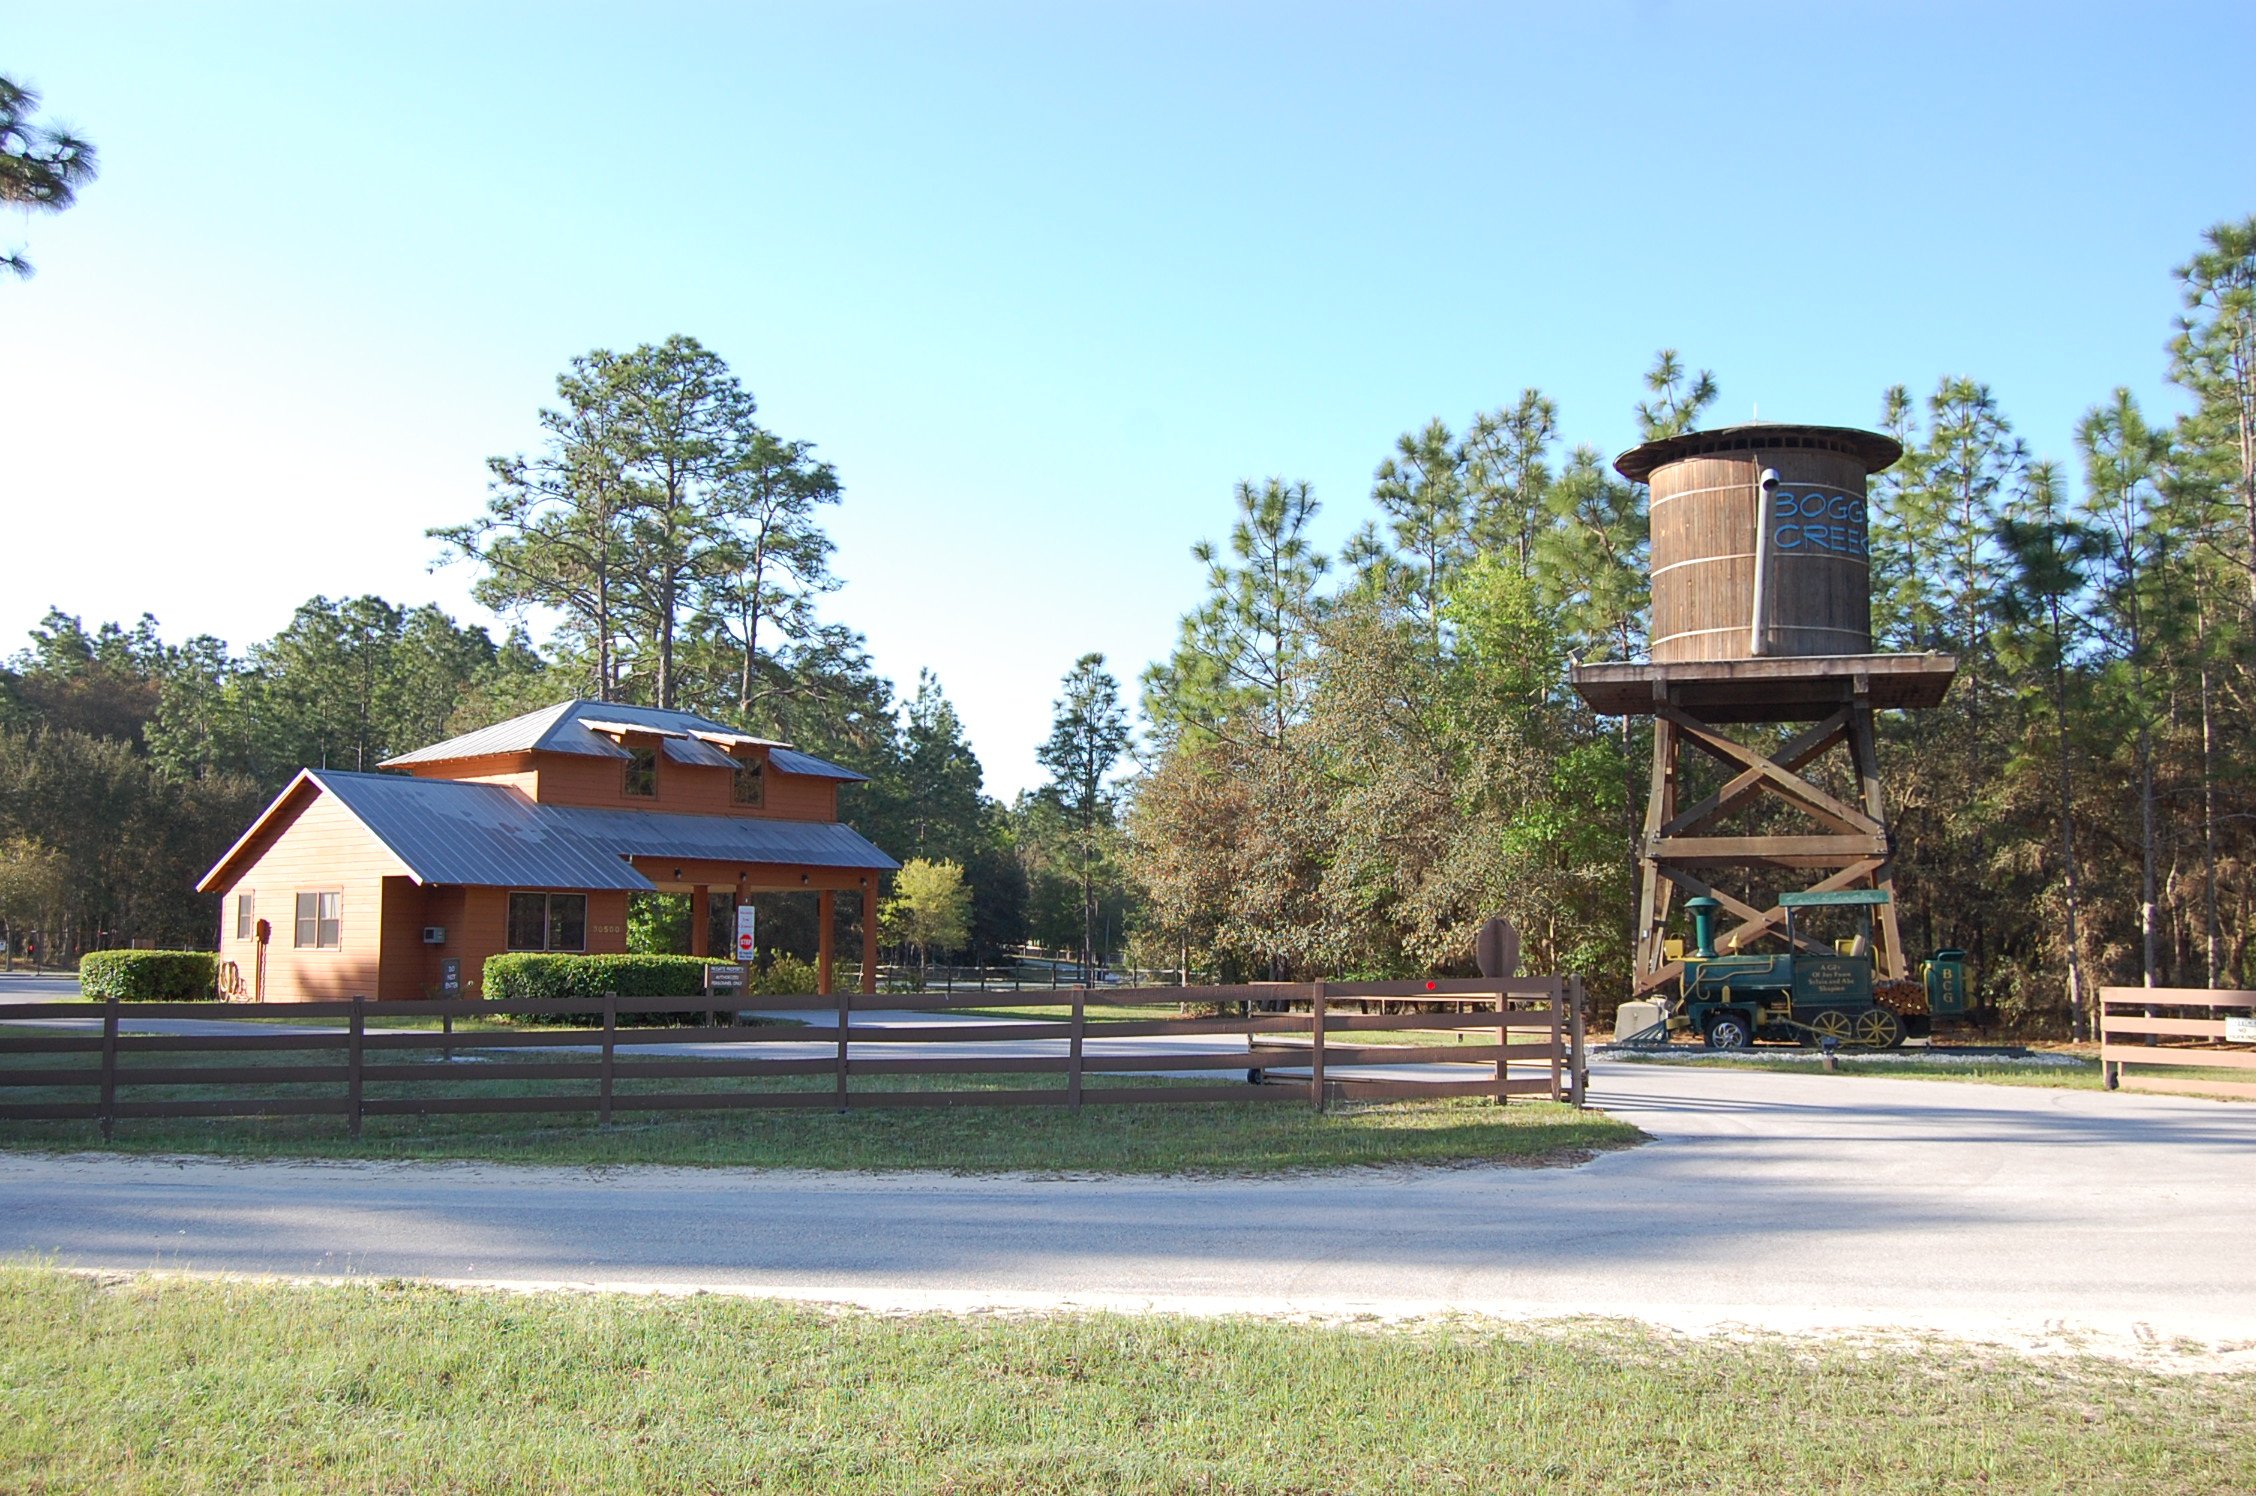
column 930, row 907
column 1088, row 735
column 1243, row 662
column 540, row 976
column 782, row 975
column 673, row 533
column 346, row 685
column 149, row 976
column 658, row 924
column 41, row 166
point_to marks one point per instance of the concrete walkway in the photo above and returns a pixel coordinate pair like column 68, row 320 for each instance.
column 2046, row 1219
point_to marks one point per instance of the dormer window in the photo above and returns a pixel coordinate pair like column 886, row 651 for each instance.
column 746, row 786
column 641, row 770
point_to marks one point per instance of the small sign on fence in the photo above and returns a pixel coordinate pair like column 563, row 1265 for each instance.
column 724, row 979
column 2241, row 1030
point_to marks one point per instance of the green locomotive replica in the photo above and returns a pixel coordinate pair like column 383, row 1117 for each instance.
column 1803, row 997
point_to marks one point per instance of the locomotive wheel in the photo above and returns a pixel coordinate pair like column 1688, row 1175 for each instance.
column 1832, row 1023
column 1729, row 1031
column 1878, row 1028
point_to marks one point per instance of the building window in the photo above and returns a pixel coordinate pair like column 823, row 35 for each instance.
column 246, row 916
column 548, row 921
column 745, row 786
column 642, row 772
column 321, row 923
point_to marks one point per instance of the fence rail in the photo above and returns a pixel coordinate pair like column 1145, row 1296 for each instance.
column 2177, row 1028
column 1284, row 1029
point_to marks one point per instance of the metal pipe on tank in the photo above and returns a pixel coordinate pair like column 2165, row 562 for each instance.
column 1758, row 629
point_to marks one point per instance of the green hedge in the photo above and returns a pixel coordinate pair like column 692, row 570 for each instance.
column 536, row 975
column 149, row 976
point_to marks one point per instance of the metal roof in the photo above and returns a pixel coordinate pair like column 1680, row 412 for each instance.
column 565, row 728
column 742, row 839
column 491, row 835
column 484, row 834
column 697, row 751
column 447, row 831
column 792, row 761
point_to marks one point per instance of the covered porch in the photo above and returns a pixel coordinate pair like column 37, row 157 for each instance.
column 716, row 889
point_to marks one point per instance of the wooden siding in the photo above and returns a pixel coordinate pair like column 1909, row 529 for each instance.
column 314, row 846
column 1703, row 558
column 687, row 789
column 477, row 926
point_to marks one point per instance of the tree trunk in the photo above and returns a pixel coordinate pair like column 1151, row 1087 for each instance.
column 2147, row 933
column 606, row 668
column 2083, row 1011
column 2212, row 962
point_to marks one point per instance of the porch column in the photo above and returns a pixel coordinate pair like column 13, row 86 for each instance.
column 700, row 921
column 826, row 918
column 869, row 936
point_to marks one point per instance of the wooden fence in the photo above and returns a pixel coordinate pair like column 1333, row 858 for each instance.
column 415, row 1048
column 2176, row 1028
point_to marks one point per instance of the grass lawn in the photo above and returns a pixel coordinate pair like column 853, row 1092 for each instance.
column 2070, row 1072
column 2059, row 1069
column 1203, row 1138
column 130, row 1385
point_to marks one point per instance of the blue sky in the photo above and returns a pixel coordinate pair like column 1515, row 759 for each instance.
column 1043, row 282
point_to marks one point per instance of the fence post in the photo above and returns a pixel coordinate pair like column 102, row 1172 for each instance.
column 1578, row 1059
column 357, row 1031
column 1073, row 1065
column 1558, row 1036
column 844, row 1014
column 610, row 1054
column 446, row 1033
column 2110, row 1071
column 1316, row 991
column 1503, row 1038
column 109, row 1067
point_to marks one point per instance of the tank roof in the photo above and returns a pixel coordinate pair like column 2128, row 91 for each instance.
column 1873, row 449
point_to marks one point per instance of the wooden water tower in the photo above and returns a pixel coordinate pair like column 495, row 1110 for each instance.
column 1762, row 613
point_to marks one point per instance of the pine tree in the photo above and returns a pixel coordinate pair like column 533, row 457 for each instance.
column 2214, row 356
column 41, row 166
column 2123, row 465
column 1088, row 735
column 1508, row 477
column 1241, row 666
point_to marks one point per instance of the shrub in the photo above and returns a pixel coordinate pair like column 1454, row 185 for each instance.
column 785, row 976
column 536, row 975
column 149, row 976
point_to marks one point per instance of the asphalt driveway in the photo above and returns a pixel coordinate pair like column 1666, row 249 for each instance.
column 2036, row 1217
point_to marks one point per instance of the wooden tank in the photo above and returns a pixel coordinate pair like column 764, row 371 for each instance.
column 1806, row 566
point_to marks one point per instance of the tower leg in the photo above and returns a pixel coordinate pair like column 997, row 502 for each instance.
column 1654, row 890
column 1888, row 958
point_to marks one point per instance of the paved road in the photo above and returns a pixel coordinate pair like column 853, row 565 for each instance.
column 2036, row 1217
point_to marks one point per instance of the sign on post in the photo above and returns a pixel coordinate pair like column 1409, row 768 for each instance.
column 746, row 946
